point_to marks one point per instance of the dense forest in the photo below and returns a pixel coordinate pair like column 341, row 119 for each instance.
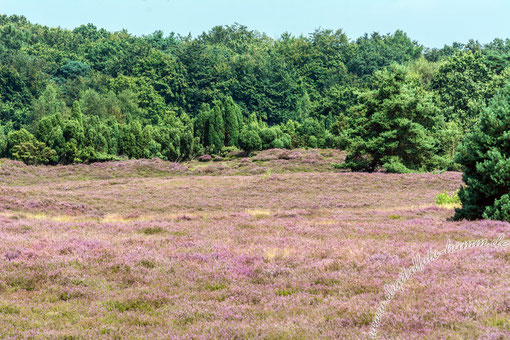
column 85, row 95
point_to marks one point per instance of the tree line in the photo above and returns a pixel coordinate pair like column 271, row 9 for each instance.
column 87, row 94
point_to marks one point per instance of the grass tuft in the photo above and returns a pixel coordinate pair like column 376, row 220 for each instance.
column 285, row 291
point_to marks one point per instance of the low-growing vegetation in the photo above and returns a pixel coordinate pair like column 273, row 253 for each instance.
column 237, row 186
column 228, row 251
column 443, row 198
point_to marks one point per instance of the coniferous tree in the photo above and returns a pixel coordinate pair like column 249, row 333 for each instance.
column 395, row 126
column 3, row 142
column 76, row 113
column 216, row 127
column 485, row 156
column 232, row 122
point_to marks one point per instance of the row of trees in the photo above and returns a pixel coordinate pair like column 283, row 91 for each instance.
column 62, row 135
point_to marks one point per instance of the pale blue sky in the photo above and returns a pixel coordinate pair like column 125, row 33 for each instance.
column 431, row 22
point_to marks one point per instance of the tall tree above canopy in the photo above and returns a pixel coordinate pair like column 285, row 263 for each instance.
column 237, row 38
column 378, row 51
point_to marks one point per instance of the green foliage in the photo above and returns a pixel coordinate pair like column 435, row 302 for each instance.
column 268, row 136
column 313, row 132
column 92, row 95
column 278, row 144
column 500, row 210
column 72, row 69
column 233, row 122
column 376, row 52
column 132, row 141
column 216, row 127
column 394, row 165
column 250, row 140
column 485, row 157
column 15, row 138
column 3, row 142
column 443, row 198
column 32, row 153
column 47, row 104
column 395, row 126
column 463, row 83
column 226, row 150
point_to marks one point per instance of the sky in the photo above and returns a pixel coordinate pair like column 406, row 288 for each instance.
column 432, row 23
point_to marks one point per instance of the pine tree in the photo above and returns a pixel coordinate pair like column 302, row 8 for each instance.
column 485, row 155
column 395, row 127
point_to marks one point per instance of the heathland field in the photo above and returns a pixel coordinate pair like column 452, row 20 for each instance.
column 277, row 246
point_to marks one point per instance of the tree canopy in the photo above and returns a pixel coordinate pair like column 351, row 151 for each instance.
column 88, row 94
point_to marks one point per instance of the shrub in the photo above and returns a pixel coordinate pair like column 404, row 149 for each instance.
column 250, row 140
column 443, row 198
column 286, row 140
column 17, row 138
column 312, row 141
column 153, row 230
column 267, row 135
column 3, row 142
column 34, row 153
column 500, row 210
column 228, row 150
column 278, row 144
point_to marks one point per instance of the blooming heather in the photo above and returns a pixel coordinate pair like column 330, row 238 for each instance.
column 151, row 249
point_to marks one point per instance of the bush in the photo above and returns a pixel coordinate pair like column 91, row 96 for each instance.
column 500, row 210
column 250, row 140
column 312, row 142
column 34, row 153
column 443, row 198
column 228, row 150
column 3, row 142
column 17, row 138
column 267, row 135
column 278, row 144
column 286, row 140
